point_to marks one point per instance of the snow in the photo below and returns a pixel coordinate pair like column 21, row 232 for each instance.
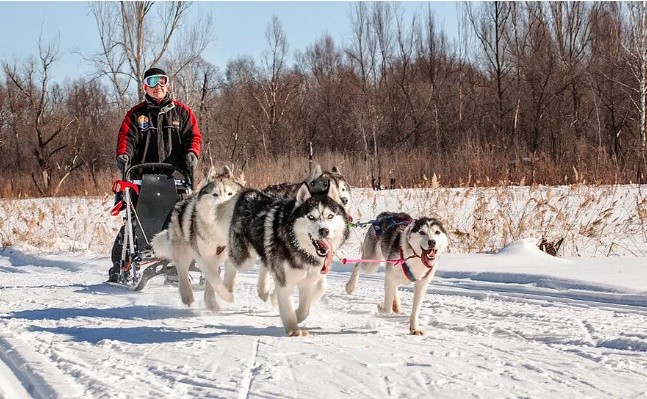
column 509, row 323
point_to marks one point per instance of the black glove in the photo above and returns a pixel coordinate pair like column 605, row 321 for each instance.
column 122, row 162
column 191, row 160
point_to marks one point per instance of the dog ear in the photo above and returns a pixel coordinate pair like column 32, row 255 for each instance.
column 334, row 193
column 226, row 172
column 303, row 194
column 211, row 176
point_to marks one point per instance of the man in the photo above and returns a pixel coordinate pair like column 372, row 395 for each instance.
column 159, row 129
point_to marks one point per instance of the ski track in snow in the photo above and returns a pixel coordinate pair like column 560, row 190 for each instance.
column 63, row 333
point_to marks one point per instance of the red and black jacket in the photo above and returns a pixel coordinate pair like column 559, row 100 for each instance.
column 163, row 132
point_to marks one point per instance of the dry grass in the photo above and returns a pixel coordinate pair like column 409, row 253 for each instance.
column 593, row 221
column 467, row 167
column 600, row 220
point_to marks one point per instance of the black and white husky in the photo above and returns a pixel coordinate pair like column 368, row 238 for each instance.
column 195, row 234
column 318, row 183
column 294, row 238
column 411, row 249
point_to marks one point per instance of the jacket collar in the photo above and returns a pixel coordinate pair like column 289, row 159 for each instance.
column 164, row 105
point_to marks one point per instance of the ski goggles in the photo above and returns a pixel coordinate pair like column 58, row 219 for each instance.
column 154, row 80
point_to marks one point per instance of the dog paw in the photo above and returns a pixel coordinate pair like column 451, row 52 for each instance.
column 263, row 295
column 298, row 333
column 416, row 331
column 383, row 309
column 350, row 287
column 212, row 304
column 187, row 299
column 226, row 295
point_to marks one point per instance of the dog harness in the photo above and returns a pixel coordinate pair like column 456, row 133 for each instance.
column 406, row 269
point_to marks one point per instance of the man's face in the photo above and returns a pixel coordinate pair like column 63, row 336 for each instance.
column 158, row 92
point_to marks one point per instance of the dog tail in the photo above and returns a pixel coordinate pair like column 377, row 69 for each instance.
column 162, row 244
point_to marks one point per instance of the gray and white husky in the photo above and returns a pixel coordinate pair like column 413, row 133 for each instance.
column 318, row 182
column 195, row 234
column 411, row 249
column 295, row 239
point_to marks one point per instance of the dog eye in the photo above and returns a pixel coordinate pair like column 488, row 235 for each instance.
column 231, row 193
column 215, row 194
column 437, row 233
column 310, row 217
column 331, row 216
column 422, row 233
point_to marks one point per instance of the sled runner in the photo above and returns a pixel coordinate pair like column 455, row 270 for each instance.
column 148, row 193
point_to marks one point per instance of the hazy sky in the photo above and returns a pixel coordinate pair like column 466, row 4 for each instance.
column 239, row 27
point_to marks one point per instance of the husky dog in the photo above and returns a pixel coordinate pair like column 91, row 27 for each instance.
column 318, row 182
column 295, row 239
column 194, row 234
column 411, row 249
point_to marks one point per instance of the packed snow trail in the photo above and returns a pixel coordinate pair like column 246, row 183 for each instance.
column 515, row 330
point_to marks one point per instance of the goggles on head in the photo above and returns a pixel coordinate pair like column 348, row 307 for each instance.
column 154, row 80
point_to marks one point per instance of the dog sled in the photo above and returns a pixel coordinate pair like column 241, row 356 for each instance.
column 147, row 194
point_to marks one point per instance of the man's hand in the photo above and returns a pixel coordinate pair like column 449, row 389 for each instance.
column 122, row 162
column 191, row 160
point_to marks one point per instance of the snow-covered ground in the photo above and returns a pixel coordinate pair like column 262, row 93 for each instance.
column 518, row 323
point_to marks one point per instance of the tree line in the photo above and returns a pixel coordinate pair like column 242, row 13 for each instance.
column 528, row 93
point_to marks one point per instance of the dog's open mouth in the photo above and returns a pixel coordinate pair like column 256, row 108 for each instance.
column 324, row 250
column 428, row 256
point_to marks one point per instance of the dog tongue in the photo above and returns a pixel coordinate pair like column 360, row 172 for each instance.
column 425, row 258
column 328, row 260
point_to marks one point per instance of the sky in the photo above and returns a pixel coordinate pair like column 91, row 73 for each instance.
column 239, row 27
column 518, row 323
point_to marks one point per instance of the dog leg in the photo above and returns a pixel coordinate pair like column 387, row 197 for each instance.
column 286, row 308
column 371, row 250
column 419, row 290
column 211, row 271
column 263, row 288
column 309, row 295
column 390, row 288
column 397, row 308
column 274, row 300
column 210, row 298
column 352, row 282
column 230, row 276
column 182, row 258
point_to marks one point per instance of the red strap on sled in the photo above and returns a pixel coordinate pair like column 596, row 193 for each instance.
column 119, row 186
column 117, row 208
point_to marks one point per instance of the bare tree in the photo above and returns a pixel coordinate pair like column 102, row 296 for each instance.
column 276, row 92
column 491, row 27
column 608, row 79
column 133, row 38
column 48, row 122
column 370, row 53
column 637, row 51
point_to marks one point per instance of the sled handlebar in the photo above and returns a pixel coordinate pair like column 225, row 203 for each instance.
column 158, row 167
